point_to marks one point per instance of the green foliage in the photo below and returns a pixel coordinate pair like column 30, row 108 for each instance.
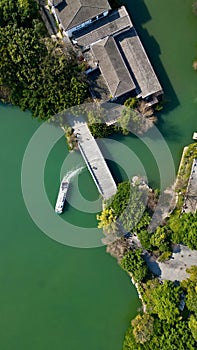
column 96, row 122
column 130, row 121
column 189, row 229
column 143, row 235
column 193, row 326
column 164, row 256
column 134, row 263
column 129, row 205
column 34, row 69
column 184, row 229
column 189, row 154
column 130, row 342
column 176, row 336
column 166, row 298
column 121, row 198
column 146, row 292
column 131, row 102
column 169, row 330
column 143, row 328
column 143, row 223
column 161, row 239
column 166, row 336
column 18, row 12
column 106, row 219
column 158, row 107
column 190, row 282
column 192, row 270
column 191, row 300
column 175, row 227
column 190, row 286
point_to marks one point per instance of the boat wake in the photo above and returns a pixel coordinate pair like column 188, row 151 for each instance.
column 72, row 173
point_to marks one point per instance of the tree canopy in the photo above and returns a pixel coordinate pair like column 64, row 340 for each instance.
column 166, row 298
column 162, row 326
column 184, row 229
column 33, row 68
column 134, row 263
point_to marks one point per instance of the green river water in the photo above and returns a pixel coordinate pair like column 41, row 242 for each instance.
column 59, row 297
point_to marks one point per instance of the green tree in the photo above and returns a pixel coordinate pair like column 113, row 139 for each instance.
column 193, row 326
column 166, row 301
column 141, row 230
column 131, row 102
column 184, row 229
column 161, row 239
column 18, row 12
column 107, row 219
column 40, row 78
column 134, row 263
column 96, row 122
column 121, row 198
column 191, row 300
column 143, row 328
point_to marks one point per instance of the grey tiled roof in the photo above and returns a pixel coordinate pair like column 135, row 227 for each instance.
column 112, row 67
column 115, row 22
column 135, row 55
column 72, row 13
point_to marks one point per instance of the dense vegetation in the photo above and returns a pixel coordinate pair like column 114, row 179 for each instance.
column 169, row 320
column 35, row 74
column 184, row 229
column 125, row 210
column 136, row 118
column 134, row 263
column 165, row 325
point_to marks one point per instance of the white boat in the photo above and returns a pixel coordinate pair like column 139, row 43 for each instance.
column 59, row 207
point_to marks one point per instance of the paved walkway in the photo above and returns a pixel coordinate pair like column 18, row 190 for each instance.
column 93, row 157
column 175, row 268
column 190, row 202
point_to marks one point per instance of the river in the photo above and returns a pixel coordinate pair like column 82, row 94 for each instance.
column 58, row 297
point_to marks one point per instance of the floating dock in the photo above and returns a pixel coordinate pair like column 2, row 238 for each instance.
column 59, row 207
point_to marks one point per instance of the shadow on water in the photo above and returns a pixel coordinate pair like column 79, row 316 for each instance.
column 169, row 132
column 140, row 10
column 116, row 170
column 140, row 15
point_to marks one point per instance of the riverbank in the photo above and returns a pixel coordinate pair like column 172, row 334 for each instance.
column 132, row 247
column 76, row 289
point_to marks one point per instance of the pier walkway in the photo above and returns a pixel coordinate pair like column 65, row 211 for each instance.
column 190, row 202
column 93, row 157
